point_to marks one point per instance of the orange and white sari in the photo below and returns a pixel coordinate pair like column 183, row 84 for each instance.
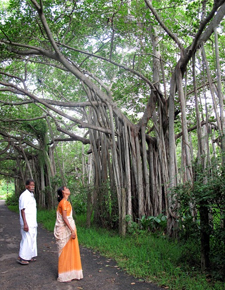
column 69, row 263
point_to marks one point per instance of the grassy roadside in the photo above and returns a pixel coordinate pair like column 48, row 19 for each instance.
column 148, row 257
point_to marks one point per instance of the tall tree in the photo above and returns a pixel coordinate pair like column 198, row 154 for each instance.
column 109, row 61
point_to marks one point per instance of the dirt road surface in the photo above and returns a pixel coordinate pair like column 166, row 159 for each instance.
column 100, row 273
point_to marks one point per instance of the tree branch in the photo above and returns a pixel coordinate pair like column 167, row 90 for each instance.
column 11, row 138
column 32, row 96
column 6, row 149
column 50, row 102
column 22, row 120
column 190, row 129
column 173, row 36
column 73, row 136
column 114, row 63
column 31, row 50
column 10, row 175
column 200, row 37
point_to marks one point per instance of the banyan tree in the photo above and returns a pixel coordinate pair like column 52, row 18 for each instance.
column 125, row 74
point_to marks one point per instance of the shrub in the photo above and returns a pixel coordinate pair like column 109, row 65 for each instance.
column 153, row 223
column 201, row 208
column 12, row 200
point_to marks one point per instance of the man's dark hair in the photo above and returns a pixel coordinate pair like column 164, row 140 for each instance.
column 29, row 181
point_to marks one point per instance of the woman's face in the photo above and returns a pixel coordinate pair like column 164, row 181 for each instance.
column 66, row 192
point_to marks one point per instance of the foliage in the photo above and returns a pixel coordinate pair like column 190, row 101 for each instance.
column 132, row 227
column 106, row 210
column 150, row 224
column 217, row 253
column 188, row 227
column 153, row 224
column 79, row 199
column 207, row 190
column 12, row 200
column 7, row 188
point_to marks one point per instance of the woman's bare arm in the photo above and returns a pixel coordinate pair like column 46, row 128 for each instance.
column 64, row 215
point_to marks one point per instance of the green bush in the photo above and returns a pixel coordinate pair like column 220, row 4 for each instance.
column 153, row 224
column 217, row 253
column 78, row 199
column 201, row 208
column 133, row 227
column 12, row 200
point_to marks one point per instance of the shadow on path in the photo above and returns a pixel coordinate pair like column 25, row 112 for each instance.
column 100, row 273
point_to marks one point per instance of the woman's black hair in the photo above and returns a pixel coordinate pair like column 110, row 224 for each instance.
column 60, row 194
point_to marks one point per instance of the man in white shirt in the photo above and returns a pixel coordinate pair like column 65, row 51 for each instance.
column 28, row 222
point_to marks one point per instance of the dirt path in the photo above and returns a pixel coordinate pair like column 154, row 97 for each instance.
column 99, row 272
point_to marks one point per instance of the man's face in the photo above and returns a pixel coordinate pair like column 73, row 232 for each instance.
column 31, row 186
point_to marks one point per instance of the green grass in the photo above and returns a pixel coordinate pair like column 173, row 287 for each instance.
column 13, row 208
column 145, row 256
column 47, row 218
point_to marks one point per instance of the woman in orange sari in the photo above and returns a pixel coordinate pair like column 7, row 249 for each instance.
column 69, row 263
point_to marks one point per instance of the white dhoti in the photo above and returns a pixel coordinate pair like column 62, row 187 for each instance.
column 28, row 244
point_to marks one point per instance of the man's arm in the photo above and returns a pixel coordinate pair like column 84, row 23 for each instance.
column 25, row 225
